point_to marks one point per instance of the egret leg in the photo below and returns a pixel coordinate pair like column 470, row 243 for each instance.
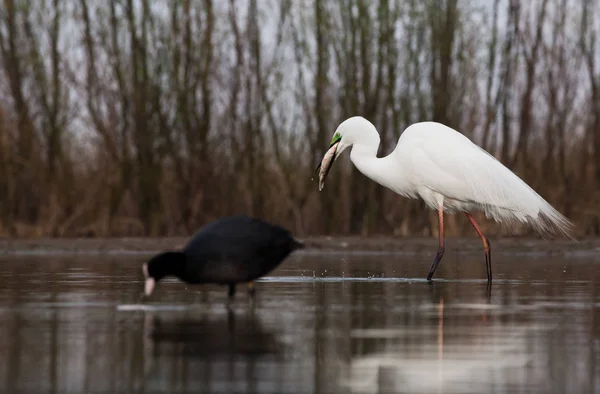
column 487, row 247
column 442, row 248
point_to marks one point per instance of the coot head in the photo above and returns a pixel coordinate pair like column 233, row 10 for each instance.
column 159, row 266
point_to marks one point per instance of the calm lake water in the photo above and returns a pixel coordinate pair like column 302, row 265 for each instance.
column 321, row 323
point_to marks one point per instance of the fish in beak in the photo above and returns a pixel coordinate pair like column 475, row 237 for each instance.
column 150, row 282
column 325, row 165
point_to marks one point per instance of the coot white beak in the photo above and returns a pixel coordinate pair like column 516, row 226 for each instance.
column 150, row 282
column 149, row 286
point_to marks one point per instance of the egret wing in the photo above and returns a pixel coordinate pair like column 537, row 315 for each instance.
column 460, row 170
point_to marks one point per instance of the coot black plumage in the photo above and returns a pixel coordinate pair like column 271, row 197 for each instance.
column 228, row 251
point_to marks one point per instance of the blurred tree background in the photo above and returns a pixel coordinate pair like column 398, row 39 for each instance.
column 152, row 117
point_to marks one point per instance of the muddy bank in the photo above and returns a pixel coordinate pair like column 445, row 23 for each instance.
column 411, row 245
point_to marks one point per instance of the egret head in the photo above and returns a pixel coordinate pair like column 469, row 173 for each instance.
column 353, row 131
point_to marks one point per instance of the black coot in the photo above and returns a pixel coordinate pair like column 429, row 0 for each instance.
column 237, row 249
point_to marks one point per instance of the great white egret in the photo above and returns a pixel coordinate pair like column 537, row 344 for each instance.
column 450, row 173
column 228, row 251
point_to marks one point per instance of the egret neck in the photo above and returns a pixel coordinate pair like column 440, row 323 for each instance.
column 364, row 157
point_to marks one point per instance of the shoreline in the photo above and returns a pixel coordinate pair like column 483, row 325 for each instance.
column 324, row 244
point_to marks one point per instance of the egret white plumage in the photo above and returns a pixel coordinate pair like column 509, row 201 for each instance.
column 450, row 173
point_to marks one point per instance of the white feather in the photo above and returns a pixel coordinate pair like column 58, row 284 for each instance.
column 445, row 168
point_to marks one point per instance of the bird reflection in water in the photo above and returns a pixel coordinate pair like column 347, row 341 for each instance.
column 437, row 297
column 213, row 337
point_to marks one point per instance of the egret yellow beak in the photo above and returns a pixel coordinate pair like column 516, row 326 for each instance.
column 325, row 165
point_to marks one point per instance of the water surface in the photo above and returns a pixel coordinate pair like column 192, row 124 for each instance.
column 321, row 323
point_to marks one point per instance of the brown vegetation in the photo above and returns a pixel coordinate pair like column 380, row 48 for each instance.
column 139, row 117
